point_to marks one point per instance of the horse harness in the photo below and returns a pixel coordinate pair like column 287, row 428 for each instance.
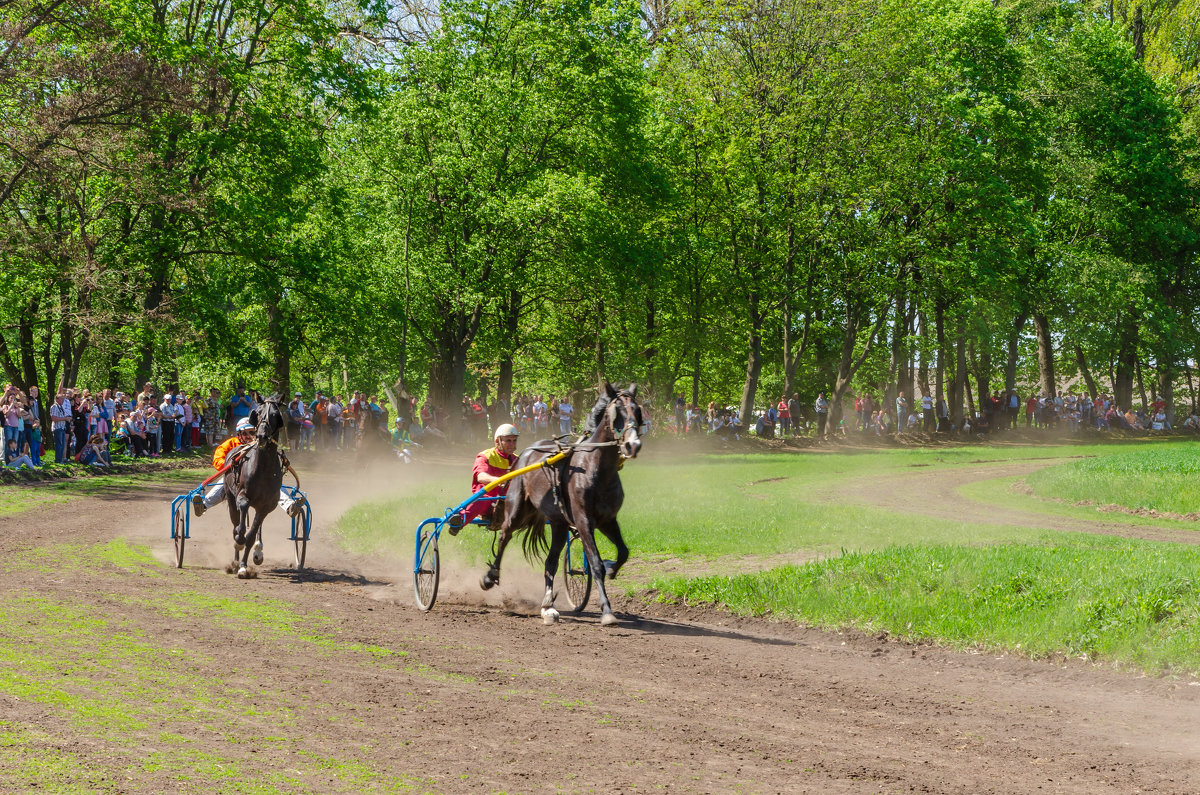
column 556, row 482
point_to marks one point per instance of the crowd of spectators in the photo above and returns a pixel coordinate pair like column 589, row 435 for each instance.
column 789, row 416
column 88, row 428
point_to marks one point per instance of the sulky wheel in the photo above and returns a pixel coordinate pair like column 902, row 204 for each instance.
column 427, row 569
column 178, row 531
column 576, row 574
column 301, row 539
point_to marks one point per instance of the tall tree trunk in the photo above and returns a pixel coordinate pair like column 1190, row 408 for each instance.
column 281, row 349
column 1126, row 362
column 942, row 351
column 1081, row 361
column 923, row 369
column 1010, row 366
column 1141, row 385
column 753, row 365
column 651, row 351
column 600, row 367
column 1166, row 389
column 696, row 376
column 960, row 375
column 1045, row 344
column 511, row 326
column 896, row 362
column 848, row 363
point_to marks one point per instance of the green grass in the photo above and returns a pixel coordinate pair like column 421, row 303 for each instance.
column 713, row 506
column 961, row 583
column 140, row 699
column 19, row 499
column 1164, row 478
column 1127, row 601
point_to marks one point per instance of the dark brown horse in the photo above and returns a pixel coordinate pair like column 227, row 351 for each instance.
column 254, row 482
column 582, row 491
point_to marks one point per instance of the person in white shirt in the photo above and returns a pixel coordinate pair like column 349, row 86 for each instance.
column 171, row 417
column 564, row 417
column 60, row 418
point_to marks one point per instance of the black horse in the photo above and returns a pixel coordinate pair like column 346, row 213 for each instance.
column 582, row 491
column 254, row 482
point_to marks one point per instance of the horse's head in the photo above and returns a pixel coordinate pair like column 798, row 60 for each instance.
column 622, row 413
column 267, row 419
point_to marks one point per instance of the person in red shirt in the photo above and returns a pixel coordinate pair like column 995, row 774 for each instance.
column 490, row 465
column 785, row 417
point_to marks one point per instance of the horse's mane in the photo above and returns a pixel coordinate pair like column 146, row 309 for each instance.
column 596, row 414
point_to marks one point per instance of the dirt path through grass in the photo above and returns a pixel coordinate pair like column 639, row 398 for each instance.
column 936, row 492
column 119, row 673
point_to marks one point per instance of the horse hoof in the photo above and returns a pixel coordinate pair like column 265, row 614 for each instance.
column 549, row 616
column 243, row 573
column 487, row 583
column 607, row 620
column 258, row 554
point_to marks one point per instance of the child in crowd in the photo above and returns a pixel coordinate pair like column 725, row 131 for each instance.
column 35, row 442
column 13, row 459
column 95, row 452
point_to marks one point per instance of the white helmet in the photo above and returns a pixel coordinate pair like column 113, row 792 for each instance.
column 243, row 425
column 505, row 430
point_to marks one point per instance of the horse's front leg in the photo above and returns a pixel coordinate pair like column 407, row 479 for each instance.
column 244, row 570
column 558, row 539
column 612, row 531
column 587, row 535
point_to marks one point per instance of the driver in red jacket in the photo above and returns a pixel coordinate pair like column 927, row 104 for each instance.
column 490, row 465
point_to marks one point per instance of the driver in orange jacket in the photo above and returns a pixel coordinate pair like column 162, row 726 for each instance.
column 244, row 435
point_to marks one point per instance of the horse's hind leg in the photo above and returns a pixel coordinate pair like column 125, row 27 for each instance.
column 492, row 578
column 558, row 539
column 612, row 531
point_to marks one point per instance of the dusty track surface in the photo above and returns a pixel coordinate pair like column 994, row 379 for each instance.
column 479, row 698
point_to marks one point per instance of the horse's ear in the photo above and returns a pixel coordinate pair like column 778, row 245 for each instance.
column 609, row 390
column 254, row 417
column 632, row 390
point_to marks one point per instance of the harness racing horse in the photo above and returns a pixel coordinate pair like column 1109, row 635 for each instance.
column 581, row 492
column 254, row 482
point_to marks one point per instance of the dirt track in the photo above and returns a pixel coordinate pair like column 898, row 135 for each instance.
column 488, row 699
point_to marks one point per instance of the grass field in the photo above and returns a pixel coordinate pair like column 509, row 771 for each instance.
column 960, row 583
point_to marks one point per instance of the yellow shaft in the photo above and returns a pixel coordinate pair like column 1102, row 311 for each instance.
column 554, row 459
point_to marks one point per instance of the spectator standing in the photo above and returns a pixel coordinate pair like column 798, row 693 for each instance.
column 239, row 406
column 334, row 413
column 35, row 441
column 901, row 409
column 60, row 418
column 565, row 415
column 794, row 412
column 822, row 408
column 153, row 431
column 171, row 416
column 927, row 413
column 785, row 416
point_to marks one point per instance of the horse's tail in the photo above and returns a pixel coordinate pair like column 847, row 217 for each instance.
column 535, row 544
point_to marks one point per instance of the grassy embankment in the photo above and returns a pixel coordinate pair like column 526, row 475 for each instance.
column 20, row 498
column 962, row 583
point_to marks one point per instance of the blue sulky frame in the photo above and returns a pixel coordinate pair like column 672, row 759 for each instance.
column 181, row 523
column 427, row 559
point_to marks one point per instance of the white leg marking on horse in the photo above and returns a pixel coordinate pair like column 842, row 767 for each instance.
column 242, row 573
column 258, row 553
column 607, row 620
column 549, row 615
